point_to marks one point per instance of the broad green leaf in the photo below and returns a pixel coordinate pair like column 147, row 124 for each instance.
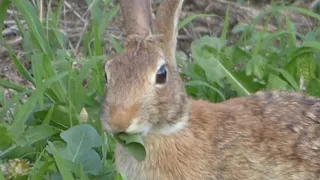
column 89, row 160
column 1, row 175
column 62, row 165
column 6, row 139
column 36, row 133
column 276, row 83
column 215, row 70
column 313, row 87
column 133, row 143
column 81, row 138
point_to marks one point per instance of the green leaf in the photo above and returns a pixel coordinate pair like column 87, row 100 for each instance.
column 202, row 83
column 4, row 4
column 1, row 175
column 7, row 84
column 36, row 29
column 225, row 25
column 80, row 140
column 23, row 113
column 61, row 163
column 133, row 143
column 6, row 139
column 116, row 45
column 313, row 87
column 37, row 133
column 256, row 66
column 276, row 83
column 202, row 51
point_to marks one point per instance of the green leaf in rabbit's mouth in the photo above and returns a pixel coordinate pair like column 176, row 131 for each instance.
column 133, row 144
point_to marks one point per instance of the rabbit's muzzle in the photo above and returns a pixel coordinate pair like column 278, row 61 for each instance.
column 119, row 118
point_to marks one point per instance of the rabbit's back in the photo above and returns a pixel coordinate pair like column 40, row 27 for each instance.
column 268, row 135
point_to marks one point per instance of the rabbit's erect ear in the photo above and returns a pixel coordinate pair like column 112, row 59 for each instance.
column 137, row 16
column 166, row 23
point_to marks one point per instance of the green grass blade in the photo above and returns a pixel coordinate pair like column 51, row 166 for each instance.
column 23, row 113
column 116, row 45
column 62, row 165
column 4, row 4
column 1, row 175
column 10, row 85
column 108, row 17
column 37, row 32
column 20, row 68
column 225, row 25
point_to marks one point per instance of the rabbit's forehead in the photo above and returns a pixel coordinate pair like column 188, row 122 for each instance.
column 143, row 63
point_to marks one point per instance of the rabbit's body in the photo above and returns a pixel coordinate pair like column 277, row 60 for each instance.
column 267, row 135
column 264, row 136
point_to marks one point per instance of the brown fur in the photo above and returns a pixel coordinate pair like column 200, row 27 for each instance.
column 267, row 135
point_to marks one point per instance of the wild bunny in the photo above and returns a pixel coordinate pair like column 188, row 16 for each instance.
column 267, row 135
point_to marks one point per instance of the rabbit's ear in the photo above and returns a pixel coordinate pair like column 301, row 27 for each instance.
column 137, row 16
column 166, row 23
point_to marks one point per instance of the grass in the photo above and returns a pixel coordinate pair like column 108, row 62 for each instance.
column 54, row 132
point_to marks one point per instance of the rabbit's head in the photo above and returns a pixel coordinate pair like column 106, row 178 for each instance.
column 145, row 93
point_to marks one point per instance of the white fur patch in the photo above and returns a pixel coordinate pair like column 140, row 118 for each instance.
column 170, row 129
column 136, row 127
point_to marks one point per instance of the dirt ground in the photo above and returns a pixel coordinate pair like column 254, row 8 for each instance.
column 76, row 18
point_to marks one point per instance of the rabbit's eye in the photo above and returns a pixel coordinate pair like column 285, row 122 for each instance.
column 105, row 77
column 161, row 76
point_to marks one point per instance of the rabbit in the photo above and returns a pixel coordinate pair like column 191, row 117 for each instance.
column 266, row 135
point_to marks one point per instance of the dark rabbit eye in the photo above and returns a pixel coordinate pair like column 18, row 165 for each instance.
column 105, row 77
column 161, row 76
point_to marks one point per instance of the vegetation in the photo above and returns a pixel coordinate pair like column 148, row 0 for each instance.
column 56, row 133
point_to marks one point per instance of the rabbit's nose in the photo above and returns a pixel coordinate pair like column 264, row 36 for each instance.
column 121, row 118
